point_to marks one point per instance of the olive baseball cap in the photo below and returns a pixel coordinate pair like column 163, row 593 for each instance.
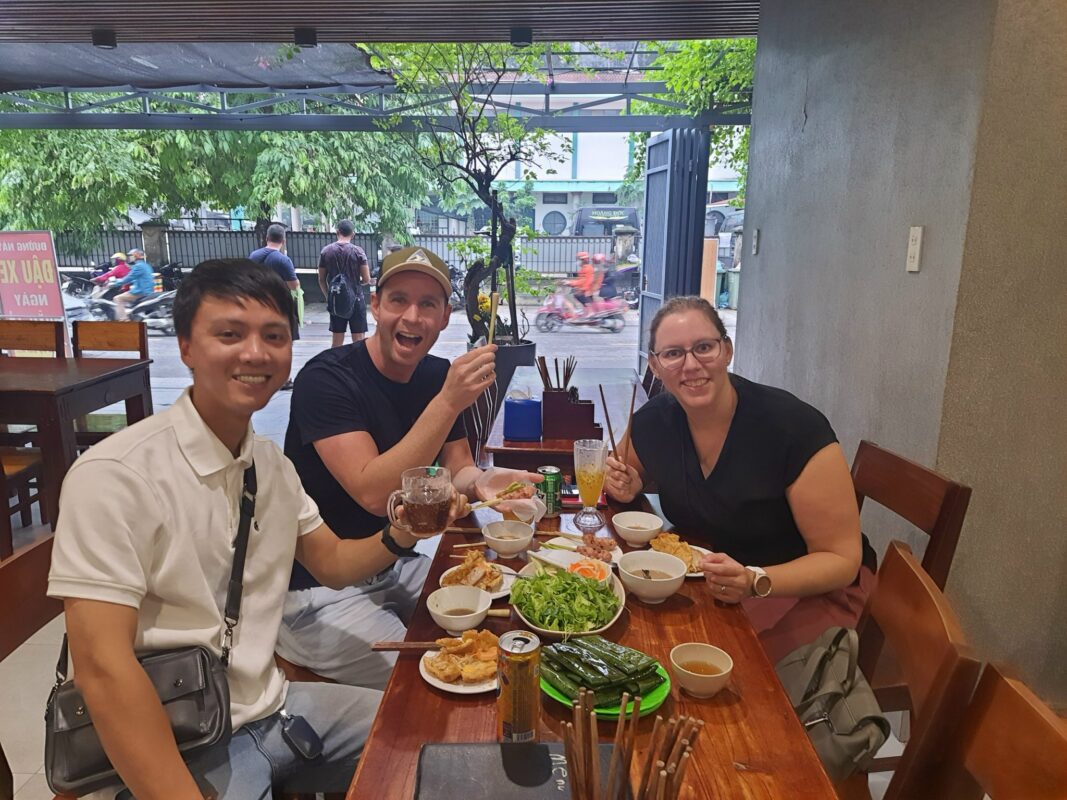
column 416, row 259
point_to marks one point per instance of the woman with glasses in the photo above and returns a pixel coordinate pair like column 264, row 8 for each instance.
column 753, row 474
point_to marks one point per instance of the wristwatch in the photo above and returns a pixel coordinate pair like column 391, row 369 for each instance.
column 761, row 582
column 393, row 546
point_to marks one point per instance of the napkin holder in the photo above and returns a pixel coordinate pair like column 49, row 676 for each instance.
column 565, row 416
column 522, row 419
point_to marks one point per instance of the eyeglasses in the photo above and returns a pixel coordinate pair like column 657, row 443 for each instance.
column 705, row 352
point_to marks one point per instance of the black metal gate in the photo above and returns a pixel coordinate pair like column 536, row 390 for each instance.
column 676, row 187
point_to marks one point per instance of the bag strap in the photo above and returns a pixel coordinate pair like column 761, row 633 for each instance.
column 232, row 612
column 240, row 549
column 815, row 667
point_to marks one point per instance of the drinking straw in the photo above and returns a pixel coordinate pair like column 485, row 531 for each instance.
column 492, row 315
column 607, row 419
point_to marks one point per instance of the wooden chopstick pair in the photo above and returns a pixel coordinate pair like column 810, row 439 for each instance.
column 581, row 744
column 629, row 423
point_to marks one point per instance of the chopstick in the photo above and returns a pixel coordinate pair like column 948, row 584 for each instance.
column 487, row 503
column 629, row 424
column 462, row 530
column 558, row 384
column 667, row 758
column 542, row 368
column 582, row 748
column 492, row 315
column 385, row 646
column 607, row 419
column 469, row 544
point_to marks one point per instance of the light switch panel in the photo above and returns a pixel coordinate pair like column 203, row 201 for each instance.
column 915, row 247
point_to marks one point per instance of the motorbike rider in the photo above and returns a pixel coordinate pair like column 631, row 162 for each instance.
column 607, row 288
column 142, row 283
column 586, row 284
column 119, row 270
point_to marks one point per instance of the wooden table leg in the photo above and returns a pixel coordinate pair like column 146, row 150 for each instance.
column 140, row 405
column 58, row 451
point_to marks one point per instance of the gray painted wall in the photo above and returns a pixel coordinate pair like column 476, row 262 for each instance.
column 870, row 118
column 864, row 123
column 1004, row 427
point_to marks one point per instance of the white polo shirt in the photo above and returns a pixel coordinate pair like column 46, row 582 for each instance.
column 148, row 518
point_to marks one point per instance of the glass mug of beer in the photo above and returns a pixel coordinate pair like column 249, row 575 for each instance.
column 426, row 494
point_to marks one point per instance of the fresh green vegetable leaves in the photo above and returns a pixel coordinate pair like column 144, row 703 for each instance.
column 560, row 601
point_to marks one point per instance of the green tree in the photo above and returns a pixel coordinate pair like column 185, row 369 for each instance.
column 703, row 74
column 465, row 140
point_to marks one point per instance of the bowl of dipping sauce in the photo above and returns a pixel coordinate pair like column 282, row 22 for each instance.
column 637, row 528
column 651, row 575
column 459, row 608
column 508, row 537
column 700, row 669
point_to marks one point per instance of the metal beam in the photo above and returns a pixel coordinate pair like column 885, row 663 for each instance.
column 343, row 122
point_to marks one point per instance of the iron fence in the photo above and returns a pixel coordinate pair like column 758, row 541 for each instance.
column 547, row 255
column 74, row 251
column 192, row 247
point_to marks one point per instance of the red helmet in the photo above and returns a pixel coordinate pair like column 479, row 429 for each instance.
column 582, row 256
column 599, row 258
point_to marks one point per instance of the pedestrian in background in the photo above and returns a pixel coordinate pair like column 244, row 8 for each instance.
column 344, row 274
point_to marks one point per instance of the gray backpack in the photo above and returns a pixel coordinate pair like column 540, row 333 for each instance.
column 834, row 702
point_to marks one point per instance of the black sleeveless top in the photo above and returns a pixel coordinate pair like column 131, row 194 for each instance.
column 740, row 508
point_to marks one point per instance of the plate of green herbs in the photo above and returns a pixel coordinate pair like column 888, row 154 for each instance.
column 557, row 604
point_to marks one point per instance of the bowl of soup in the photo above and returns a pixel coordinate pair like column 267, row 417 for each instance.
column 508, row 537
column 700, row 669
column 650, row 575
column 636, row 528
column 459, row 608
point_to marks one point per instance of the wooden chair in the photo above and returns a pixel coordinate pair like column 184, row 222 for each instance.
column 937, row 666
column 1010, row 746
column 33, row 334
column 38, row 336
column 20, row 476
column 108, row 337
column 25, row 609
column 933, row 504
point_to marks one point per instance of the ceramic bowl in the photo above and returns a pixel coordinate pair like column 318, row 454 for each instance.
column 637, row 528
column 695, row 683
column 451, row 598
column 508, row 537
column 649, row 589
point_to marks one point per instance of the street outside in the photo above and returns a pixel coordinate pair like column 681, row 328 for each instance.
column 592, row 348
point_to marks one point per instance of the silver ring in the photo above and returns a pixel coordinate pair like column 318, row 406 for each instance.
column 722, row 589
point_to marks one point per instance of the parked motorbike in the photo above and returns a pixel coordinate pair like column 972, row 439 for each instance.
column 561, row 308
column 156, row 310
column 627, row 278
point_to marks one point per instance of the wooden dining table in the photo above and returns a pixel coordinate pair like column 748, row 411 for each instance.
column 753, row 745
column 617, row 383
column 51, row 393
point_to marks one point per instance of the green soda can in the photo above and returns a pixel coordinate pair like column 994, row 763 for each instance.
column 550, row 490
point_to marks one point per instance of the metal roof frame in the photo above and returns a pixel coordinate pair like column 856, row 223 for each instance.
column 351, row 108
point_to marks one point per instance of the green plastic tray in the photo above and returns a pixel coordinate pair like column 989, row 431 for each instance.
column 654, row 700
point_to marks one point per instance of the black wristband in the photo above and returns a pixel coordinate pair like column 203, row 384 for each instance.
column 393, row 546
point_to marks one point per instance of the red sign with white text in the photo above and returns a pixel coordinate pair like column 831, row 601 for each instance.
column 29, row 278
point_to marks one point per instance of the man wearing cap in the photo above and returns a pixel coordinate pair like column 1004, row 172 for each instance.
column 342, row 258
column 119, row 270
column 360, row 415
column 142, row 283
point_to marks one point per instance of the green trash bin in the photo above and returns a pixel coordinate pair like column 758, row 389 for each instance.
column 733, row 284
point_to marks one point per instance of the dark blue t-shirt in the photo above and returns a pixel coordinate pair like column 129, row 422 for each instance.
column 276, row 260
column 339, row 391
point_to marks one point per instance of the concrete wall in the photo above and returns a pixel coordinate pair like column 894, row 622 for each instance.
column 1004, row 427
column 868, row 119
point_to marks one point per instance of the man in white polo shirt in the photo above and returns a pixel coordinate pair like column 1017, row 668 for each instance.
column 151, row 573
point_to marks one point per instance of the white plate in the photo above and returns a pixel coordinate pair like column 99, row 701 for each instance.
column 701, row 551
column 505, row 588
column 616, row 587
column 572, row 545
column 454, row 688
